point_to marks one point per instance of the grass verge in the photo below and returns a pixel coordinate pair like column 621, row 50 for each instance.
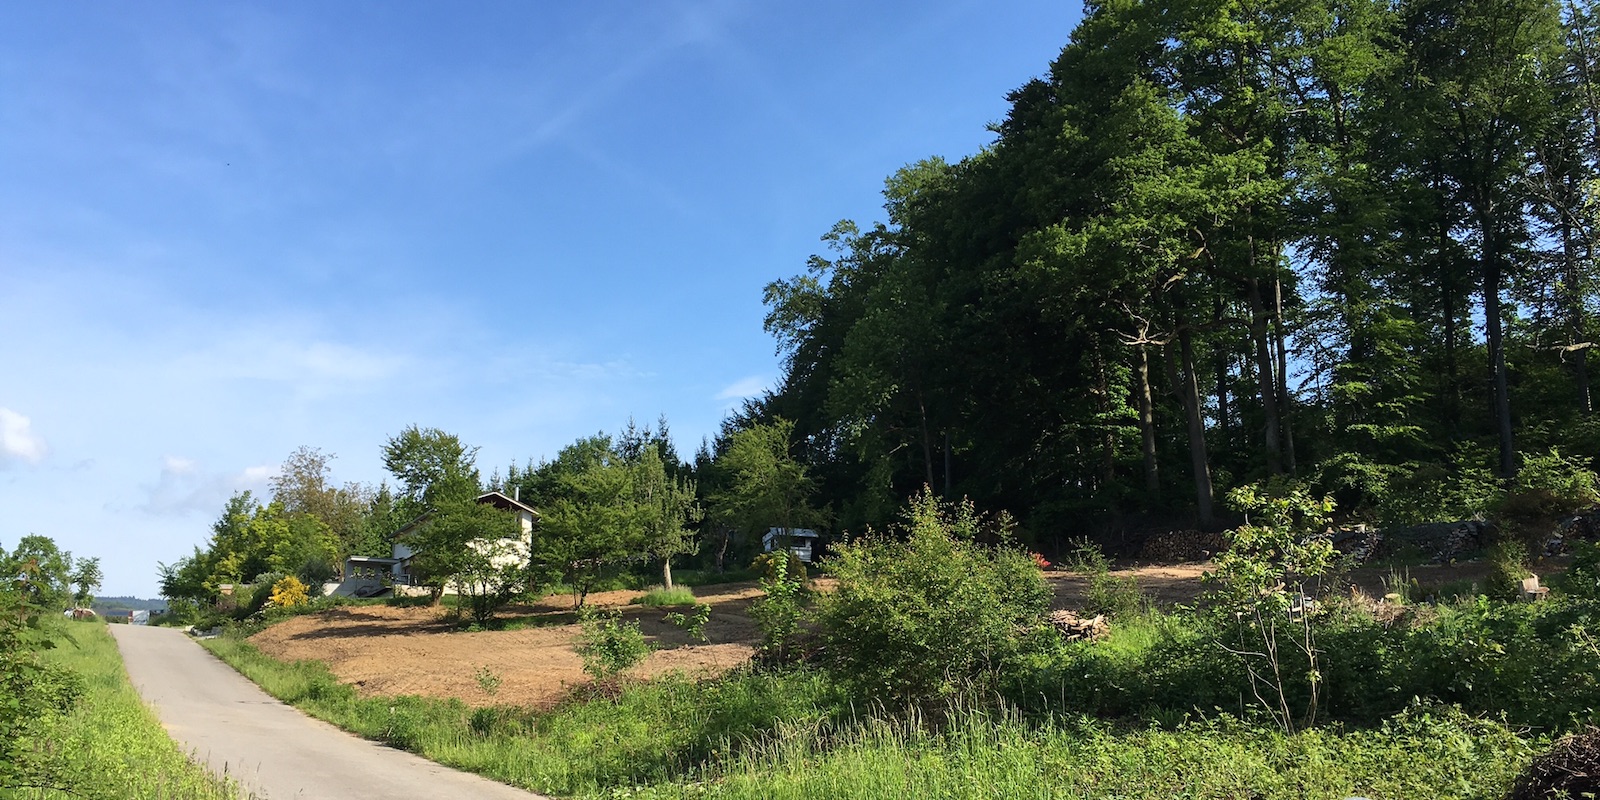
column 111, row 745
column 795, row 735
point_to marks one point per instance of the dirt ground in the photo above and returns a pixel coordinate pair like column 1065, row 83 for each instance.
column 393, row 651
column 388, row 651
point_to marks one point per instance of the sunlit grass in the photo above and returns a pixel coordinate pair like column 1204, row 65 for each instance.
column 112, row 745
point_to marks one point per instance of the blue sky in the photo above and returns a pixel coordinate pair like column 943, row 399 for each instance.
column 231, row 229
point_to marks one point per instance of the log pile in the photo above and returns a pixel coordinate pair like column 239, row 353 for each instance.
column 1174, row 547
column 1073, row 627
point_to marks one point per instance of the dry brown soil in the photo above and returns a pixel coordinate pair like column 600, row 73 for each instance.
column 394, row 651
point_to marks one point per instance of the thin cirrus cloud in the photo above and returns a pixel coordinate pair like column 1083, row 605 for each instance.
column 18, row 442
column 743, row 388
column 183, row 487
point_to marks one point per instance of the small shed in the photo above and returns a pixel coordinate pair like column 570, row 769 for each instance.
column 800, row 541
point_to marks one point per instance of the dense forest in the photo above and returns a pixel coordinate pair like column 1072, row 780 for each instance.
column 1347, row 241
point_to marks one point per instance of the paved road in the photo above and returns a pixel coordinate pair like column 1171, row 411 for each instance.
column 273, row 750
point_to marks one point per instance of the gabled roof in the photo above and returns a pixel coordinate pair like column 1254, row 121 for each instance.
column 495, row 499
column 501, row 501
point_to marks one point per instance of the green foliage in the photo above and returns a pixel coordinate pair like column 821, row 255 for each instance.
column 658, row 596
column 476, row 549
column 48, row 569
column 1264, row 592
column 934, row 613
column 693, row 624
column 1508, row 566
column 1582, row 578
column 110, row 744
column 1112, row 595
column 1428, row 753
column 1567, row 478
column 86, row 575
column 488, row 680
column 432, row 467
column 766, row 565
column 666, row 506
column 608, row 645
column 767, row 487
column 34, row 694
column 589, row 521
column 780, row 610
column 1116, row 596
column 1086, row 558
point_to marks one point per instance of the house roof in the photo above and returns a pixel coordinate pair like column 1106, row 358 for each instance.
column 501, row 501
column 496, row 499
column 793, row 533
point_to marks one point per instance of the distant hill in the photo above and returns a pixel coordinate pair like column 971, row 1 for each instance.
column 101, row 604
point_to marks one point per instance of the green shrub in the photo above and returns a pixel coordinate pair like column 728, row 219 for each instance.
column 765, row 566
column 658, row 596
column 1568, row 479
column 1116, row 596
column 1508, row 566
column 34, row 694
column 933, row 614
column 1086, row 558
column 779, row 612
column 693, row 624
column 1262, row 582
column 1582, row 578
column 608, row 645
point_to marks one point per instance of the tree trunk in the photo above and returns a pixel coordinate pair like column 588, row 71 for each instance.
column 947, row 480
column 927, row 444
column 1496, row 341
column 1451, row 394
column 1284, row 406
column 1265, row 380
column 1147, row 423
column 1220, row 363
column 1574, row 302
column 666, row 573
column 1189, row 392
column 1108, row 440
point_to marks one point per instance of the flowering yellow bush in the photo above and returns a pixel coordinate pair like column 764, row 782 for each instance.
column 290, row 592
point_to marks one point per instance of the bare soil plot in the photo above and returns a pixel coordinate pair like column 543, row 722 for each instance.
column 394, row 651
column 387, row 651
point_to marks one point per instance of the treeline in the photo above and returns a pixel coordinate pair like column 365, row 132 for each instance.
column 1349, row 241
column 306, row 528
column 606, row 504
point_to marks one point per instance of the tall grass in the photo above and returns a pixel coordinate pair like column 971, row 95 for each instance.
column 795, row 735
column 665, row 730
column 661, row 596
column 111, row 745
column 998, row 755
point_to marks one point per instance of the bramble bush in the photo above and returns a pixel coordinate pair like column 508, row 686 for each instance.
column 935, row 612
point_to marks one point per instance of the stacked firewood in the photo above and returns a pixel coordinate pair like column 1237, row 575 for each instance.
column 1174, row 547
column 1073, row 627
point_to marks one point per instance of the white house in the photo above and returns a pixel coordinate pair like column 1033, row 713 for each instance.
column 366, row 576
column 801, row 541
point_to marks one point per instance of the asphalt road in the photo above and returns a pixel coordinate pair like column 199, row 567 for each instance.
column 271, row 749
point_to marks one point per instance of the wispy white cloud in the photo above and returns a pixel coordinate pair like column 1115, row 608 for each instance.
column 184, row 488
column 743, row 388
column 18, row 442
